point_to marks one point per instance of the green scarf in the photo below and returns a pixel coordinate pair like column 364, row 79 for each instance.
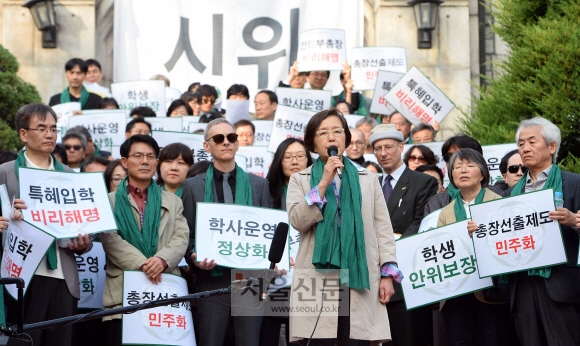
column 554, row 181
column 349, row 251
column 459, row 210
column 65, row 97
column 145, row 240
column 178, row 192
column 243, row 196
column 51, row 258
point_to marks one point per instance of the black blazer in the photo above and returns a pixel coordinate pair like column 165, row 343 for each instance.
column 563, row 285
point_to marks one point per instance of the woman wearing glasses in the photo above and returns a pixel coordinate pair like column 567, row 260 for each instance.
column 114, row 174
column 418, row 155
column 344, row 224
column 174, row 162
column 512, row 169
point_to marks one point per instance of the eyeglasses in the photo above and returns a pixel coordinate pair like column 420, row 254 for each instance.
column 54, row 131
column 219, row 138
column 207, row 101
column 324, row 133
column 75, row 147
column 513, row 169
column 421, row 159
column 379, row 150
column 299, row 157
column 140, row 156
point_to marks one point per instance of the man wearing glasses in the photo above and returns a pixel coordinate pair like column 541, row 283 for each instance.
column 356, row 149
column 224, row 182
column 54, row 290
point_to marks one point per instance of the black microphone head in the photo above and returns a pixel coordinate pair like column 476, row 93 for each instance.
column 332, row 150
column 278, row 243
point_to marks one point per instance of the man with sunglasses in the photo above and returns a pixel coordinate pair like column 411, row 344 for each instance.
column 75, row 146
column 224, row 182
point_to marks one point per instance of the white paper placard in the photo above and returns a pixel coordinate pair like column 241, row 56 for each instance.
column 367, row 61
column 92, row 275
column 352, row 119
column 258, row 159
column 237, row 110
column 418, row 99
column 165, row 124
column 191, row 124
column 106, row 129
column 439, row 264
column 516, row 234
column 262, row 134
column 144, row 93
column 308, row 99
column 321, row 50
column 116, row 152
column 120, row 112
column 385, row 82
column 64, row 111
column 237, row 236
column 24, row 249
column 171, row 94
column 288, row 123
column 5, row 201
column 65, row 204
column 430, row 221
column 165, row 325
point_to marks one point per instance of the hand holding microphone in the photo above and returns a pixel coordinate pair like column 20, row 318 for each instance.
column 332, row 151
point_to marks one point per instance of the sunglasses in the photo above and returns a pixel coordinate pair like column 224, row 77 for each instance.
column 75, row 147
column 515, row 168
column 421, row 159
column 219, row 138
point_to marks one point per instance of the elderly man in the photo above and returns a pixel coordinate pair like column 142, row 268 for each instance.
column 366, row 125
column 546, row 302
column 356, row 149
column 423, row 133
column 92, row 149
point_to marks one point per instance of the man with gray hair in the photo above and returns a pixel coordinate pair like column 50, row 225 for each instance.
column 423, row 133
column 224, row 182
column 355, row 151
column 366, row 125
column 91, row 149
column 75, row 146
column 545, row 302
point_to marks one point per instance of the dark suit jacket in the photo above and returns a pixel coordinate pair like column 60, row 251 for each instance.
column 563, row 285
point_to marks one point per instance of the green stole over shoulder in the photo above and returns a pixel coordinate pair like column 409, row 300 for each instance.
column 243, row 196
column 146, row 238
column 65, row 96
column 554, row 181
column 459, row 210
column 349, row 244
column 51, row 258
column 178, row 192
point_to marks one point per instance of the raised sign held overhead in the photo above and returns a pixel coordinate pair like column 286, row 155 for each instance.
column 321, row 50
column 367, row 61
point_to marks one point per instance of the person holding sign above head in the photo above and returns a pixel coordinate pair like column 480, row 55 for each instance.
column 54, row 290
column 356, row 99
column 224, row 182
column 471, row 319
column 76, row 70
column 265, row 103
column 174, row 163
column 344, row 224
column 545, row 302
column 294, row 79
column 152, row 232
column 137, row 126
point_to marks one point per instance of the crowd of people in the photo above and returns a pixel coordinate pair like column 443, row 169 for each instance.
column 347, row 221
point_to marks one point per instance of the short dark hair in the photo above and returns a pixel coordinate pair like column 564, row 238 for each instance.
column 108, row 101
column 188, row 96
column 503, row 165
column 207, row 90
column 350, row 107
column 193, row 86
column 421, row 127
column 208, row 117
column 94, row 159
column 327, row 73
column 135, row 121
column 7, row 156
column 109, row 172
column 245, row 122
column 271, row 95
column 315, row 122
column 238, row 89
column 178, row 103
column 198, row 168
column 76, row 62
column 78, row 136
column 460, row 141
column 172, row 152
column 143, row 112
column 93, row 62
column 80, row 130
column 127, row 144
column 61, row 151
column 470, row 155
column 425, row 151
column 25, row 113
column 374, row 164
column 434, row 168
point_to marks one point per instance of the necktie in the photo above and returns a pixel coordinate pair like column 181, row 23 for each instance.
column 228, row 196
column 387, row 188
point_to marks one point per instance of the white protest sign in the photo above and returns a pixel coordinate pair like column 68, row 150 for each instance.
column 367, row 61
column 321, row 50
column 385, row 82
column 352, row 119
column 262, row 134
column 288, row 123
column 515, row 234
column 165, row 325
column 106, row 129
column 166, row 124
column 418, row 99
column 116, row 152
column 24, row 249
column 237, row 236
column 430, row 221
column 92, row 275
column 64, row 111
column 192, row 125
column 65, row 204
column 97, row 89
column 258, row 159
column 439, row 264
column 171, row 94
column 5, row 201
column 145, row 93
column 237, row 110
column 308, row 99
column 121, row 112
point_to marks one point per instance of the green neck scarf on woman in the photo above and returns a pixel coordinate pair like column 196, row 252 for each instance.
column 51, row 258
column 554, row 181
column 349, row 246
column 459, row 210
column 243, row 196
column 177, row 192
column 65, row 96
column 146, row 239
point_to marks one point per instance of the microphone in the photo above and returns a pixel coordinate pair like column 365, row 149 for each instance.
column 278, row 244
column 333, row 151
